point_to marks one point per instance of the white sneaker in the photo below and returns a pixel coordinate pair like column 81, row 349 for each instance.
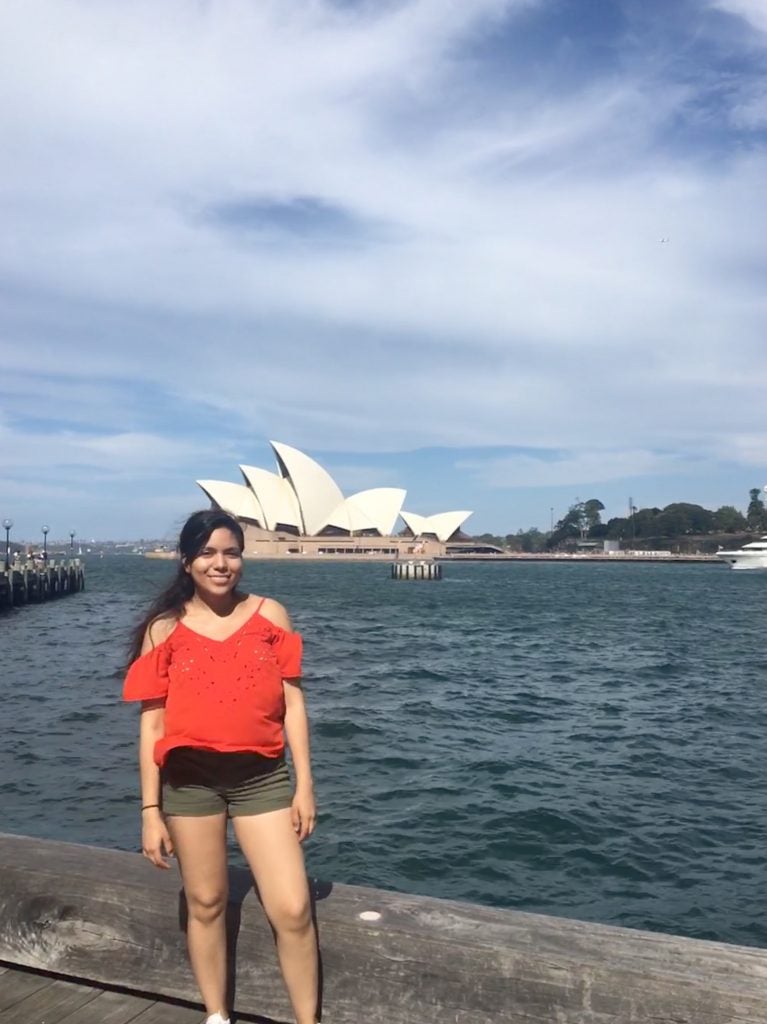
column 216, row 1018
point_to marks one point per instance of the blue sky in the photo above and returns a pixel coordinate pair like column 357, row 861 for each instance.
column 505, row 254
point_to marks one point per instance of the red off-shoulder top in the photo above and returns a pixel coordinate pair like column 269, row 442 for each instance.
column 222, row 695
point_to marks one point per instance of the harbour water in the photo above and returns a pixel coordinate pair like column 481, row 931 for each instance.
column 582, row 740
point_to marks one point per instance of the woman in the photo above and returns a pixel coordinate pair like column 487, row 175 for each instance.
column 217, row 673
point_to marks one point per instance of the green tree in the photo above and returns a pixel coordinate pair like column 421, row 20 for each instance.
column 644, row 522
column 682, row 518
column 488, row 538
column 591, row 510
column 728, row 519
column 574, row 523
column 528, row 540
column 617, row 528
column 755, row 512
column 574, row 520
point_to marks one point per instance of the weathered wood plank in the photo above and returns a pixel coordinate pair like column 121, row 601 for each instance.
column 49, row 1003
column 42, row 999
column 166, row 1013
column 109, row 1008
column 15, row 986
column 109, row 916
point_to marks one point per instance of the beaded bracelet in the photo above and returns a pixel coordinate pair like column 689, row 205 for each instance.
column 147, row 807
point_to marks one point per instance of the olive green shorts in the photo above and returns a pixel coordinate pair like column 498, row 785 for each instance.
column 200, row 783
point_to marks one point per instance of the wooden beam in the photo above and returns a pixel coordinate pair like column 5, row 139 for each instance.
column 110, row 917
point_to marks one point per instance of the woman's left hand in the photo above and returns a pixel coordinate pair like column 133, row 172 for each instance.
column 303, row 812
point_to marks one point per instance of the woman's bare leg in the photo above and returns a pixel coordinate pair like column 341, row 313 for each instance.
column 200, row 845
column 274, row 854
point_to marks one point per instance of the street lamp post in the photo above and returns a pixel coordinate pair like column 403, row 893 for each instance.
column 71, row 543
column 45, row 530
column 7, row 524
column 632, row 512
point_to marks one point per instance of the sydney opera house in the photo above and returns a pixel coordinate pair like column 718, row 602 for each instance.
column 300, row 509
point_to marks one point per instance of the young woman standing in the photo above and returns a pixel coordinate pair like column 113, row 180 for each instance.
column 217, row 672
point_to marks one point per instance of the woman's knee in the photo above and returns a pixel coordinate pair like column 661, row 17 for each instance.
column 206, row 906
column 291, row 915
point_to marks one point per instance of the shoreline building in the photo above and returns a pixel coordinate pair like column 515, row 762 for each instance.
column 301, row 510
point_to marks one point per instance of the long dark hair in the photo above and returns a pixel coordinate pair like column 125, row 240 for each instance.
column 194, row 535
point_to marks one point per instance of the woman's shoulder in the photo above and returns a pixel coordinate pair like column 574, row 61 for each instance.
column 270, row 609
column 158, row 631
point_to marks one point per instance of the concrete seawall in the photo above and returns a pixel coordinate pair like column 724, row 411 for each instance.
column 604, row 559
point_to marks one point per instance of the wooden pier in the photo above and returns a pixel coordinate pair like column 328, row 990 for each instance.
column 32, row 997
column 32, row 581
column 89, row 934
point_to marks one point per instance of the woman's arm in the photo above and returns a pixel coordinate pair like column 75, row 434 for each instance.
column 151, row 729
column 297, row 733
column 154, row 832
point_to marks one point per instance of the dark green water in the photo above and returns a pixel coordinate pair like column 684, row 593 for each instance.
column 576, row 739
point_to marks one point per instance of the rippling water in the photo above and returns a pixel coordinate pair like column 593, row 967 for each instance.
column 576, row 739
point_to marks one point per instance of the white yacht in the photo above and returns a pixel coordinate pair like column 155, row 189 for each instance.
column 750, row 556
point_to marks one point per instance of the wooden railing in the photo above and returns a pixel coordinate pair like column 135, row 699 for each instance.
column 109, row 917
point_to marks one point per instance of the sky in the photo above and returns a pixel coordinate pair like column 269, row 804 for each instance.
column 506, row 254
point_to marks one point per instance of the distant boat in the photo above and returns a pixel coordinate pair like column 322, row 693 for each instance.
column 750, row 556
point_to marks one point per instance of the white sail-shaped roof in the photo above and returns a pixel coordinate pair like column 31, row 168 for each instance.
column 317, row 492
column 234, row 498
column 375, row 509
column 341, row 519
column 303, row 496
column 443, row 525
column 275, row 496
column 414, row 522
column 381, row 505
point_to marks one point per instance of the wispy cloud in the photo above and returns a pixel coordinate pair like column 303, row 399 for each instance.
column 74, row 456
column 571, row 469
column 367, row 227
column 753, row 11
column 746, row 450
column 299, row 219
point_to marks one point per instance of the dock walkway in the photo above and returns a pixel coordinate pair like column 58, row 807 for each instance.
column 32, row 997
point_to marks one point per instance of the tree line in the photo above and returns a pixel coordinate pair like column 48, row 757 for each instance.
column 674, row 523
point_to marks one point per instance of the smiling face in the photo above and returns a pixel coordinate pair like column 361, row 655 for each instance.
column 217, row 568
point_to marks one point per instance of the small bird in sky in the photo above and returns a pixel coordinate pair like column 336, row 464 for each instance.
column 664, row 240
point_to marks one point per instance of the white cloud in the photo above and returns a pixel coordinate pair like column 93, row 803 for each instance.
column 75, row 456
column 753, row 11
column 506, row 283
column 746, row 450
column 582, row 468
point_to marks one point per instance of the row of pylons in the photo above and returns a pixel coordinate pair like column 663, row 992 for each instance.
column 416, row 571
column 25, row 582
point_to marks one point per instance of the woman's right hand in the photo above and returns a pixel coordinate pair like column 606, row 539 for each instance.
column 155, row 838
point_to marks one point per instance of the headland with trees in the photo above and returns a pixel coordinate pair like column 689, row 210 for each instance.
column 681, row 527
